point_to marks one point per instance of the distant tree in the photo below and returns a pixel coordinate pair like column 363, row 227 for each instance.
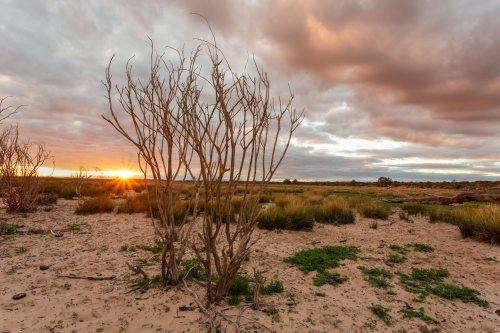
column 287, row 181
column 384, row 181
column 295, row 181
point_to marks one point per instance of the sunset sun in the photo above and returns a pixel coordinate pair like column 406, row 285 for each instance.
column 124, row 174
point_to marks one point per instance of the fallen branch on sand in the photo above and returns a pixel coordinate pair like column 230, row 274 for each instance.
column 457, row 199
column 92, row 278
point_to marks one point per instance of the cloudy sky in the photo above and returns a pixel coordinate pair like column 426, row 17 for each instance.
column 404, row 89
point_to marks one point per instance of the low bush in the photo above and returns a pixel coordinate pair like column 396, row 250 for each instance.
column 373, row 210
column 98, row 205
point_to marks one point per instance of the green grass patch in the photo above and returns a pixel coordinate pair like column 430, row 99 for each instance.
column 396, row 259
column 431, row 281
column 410, row 313
column 399, row 249
column 321, row 259
column 421, row 247
column 377, row 277
column 382, row 313
column 323, row 277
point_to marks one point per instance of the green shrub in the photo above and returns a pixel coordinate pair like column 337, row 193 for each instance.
column 192, row 269
column 233, row 300
column 373, row 210
column 275, row 287
column 98, row 205
column 240, row 286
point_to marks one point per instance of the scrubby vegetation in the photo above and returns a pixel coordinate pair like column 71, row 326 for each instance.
column 98, row 205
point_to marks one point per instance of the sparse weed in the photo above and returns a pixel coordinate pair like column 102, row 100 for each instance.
column 396, row 259
column 421, row 247
column 410, row 313
column 20, row 249
column 192, row 269
column 399, row 249
column 374, row 225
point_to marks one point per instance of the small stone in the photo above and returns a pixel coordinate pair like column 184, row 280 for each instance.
column 290, row 303
column 19, row 296
column 44, row 267
column 497, row 312
column 320, row 293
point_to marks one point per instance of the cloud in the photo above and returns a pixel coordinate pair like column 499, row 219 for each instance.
column 419, row 79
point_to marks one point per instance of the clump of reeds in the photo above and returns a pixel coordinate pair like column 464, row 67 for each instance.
column 373, row 210
column 97, row 205
column 131, row 205
column 480, row 222
column 333, row 210
column 294, row 217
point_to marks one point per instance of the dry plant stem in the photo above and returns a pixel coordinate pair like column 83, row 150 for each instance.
column 4, row 116
column 210, row 314
column 80, row 177
column 137, row 270
column 235, row 139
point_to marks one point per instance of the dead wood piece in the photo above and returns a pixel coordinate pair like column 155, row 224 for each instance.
column 210, row 314
column 457, row 199
column 256, row 293
column 92, row 278
column 187, row 308
column 56, row 234
column 137, row 270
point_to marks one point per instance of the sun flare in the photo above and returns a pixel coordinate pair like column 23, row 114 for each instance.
column 124, row 174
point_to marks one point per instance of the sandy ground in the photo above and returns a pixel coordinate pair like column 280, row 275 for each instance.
column 58, row 304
